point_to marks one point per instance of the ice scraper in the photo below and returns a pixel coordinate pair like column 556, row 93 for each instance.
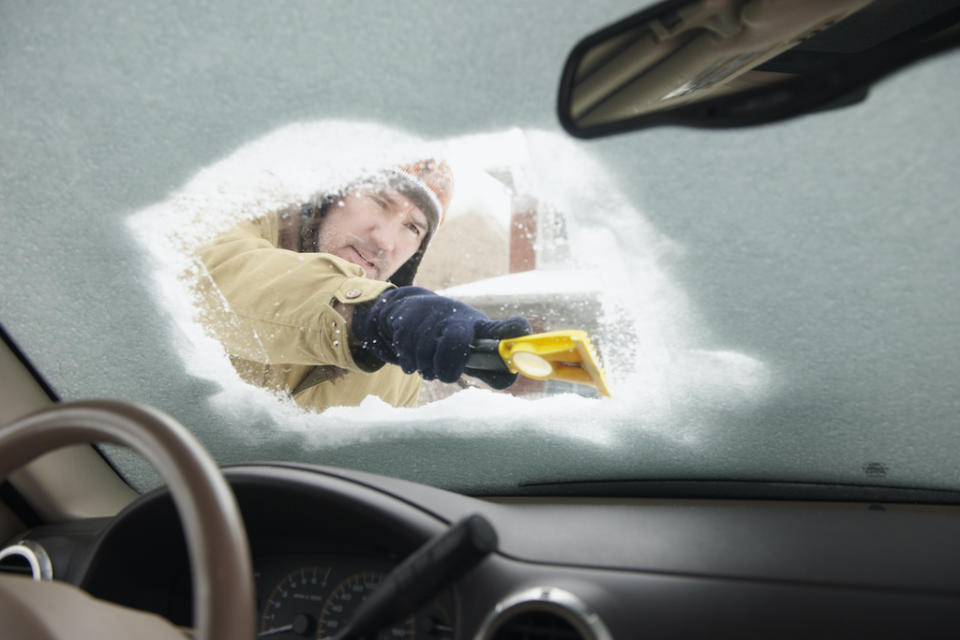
column 556, row 355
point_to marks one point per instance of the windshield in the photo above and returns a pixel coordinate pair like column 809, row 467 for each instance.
column 772, row 304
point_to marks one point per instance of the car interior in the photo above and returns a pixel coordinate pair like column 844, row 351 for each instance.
column 284, row 548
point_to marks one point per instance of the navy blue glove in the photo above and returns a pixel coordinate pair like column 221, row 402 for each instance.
column 424, row 332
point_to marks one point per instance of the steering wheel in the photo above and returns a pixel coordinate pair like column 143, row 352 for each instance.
column 223, row 598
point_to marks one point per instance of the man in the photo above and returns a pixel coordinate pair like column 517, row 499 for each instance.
column 317, row 300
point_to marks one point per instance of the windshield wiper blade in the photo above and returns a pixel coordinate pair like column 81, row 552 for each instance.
column 739, row 490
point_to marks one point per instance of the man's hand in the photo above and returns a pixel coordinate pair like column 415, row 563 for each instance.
column 424, row 332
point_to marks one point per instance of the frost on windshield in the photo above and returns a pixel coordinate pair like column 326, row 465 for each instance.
column 535, row 227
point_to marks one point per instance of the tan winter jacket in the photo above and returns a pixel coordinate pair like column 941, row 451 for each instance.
column 273, row 310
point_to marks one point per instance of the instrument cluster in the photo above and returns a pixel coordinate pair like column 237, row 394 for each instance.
column 315, row 596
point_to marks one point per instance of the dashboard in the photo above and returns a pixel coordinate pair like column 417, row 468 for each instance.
column 322, row 539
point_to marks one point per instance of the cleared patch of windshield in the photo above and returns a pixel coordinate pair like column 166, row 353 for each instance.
column 536, row 228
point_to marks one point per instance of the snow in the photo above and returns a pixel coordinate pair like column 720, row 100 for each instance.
column 553, row 282
column 661, row 373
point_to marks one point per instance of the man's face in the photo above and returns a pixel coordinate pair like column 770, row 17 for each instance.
column 377, row 229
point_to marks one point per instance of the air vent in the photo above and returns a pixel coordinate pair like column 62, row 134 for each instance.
column 543, row 613
column 26, row 558
column 536, row 625
column 16, row 565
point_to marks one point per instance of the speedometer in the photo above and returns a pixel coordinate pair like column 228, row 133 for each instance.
column 290, row 611
column 344, row 600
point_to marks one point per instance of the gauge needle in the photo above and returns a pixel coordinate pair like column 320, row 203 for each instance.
column 303, row 625
column 275, row 630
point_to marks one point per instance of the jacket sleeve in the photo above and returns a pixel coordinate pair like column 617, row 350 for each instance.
column 276, row 306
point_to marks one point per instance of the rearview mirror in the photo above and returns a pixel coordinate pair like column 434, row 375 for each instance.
column 729, row 63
